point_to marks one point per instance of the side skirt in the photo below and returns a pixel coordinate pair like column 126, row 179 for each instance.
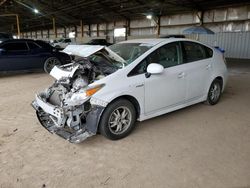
column 170, row 109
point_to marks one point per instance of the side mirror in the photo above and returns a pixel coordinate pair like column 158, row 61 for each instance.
column 155, row 68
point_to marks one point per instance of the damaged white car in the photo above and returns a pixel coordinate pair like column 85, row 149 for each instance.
column 107, row 89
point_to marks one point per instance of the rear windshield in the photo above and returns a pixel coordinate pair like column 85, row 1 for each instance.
column 43, row 44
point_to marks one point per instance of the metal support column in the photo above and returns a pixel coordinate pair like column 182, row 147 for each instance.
column 82, row 28
column 54, row 26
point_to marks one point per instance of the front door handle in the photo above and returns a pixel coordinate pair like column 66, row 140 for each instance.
column 181, row 75
column 140, row 85
column 208, row 66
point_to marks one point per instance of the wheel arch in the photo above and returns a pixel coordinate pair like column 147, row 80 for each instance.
column 131, row 99
column 46, row 61
column 219, row 78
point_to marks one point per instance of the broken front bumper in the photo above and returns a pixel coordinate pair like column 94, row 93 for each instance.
column 53, row 118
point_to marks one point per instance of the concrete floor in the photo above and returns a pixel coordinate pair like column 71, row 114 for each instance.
column 199, row 146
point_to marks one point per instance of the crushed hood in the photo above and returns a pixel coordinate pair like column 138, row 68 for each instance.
column 88, row 50
column 83, row 51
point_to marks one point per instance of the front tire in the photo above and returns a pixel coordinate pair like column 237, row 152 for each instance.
column 214, row 92
column 50, row 63
column 118, row 120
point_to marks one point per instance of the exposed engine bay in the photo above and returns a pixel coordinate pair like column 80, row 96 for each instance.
column 65, row 107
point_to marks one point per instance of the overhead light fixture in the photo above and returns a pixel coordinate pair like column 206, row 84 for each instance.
column 149, row 16
column 36, row 11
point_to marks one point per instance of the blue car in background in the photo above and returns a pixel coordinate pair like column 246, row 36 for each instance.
column 27, row 54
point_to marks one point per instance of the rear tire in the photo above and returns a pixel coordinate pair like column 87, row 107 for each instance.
column 118, row 120
column 214, row 92
column 50, row 63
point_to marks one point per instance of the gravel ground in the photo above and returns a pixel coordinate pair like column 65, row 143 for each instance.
column 199, row 146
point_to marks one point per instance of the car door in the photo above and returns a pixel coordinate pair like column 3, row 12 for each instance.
column 198, row 59
column 4, row 65
column 37, row 55
column 168, row 89
column 14, row 56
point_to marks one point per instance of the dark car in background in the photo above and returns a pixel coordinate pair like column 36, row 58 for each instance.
column 102, row 42
column 5, row 36
column 27, row 54
column 173, row 36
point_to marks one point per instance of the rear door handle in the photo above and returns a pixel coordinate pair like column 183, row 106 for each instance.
column 181, row 75
column 208, row 66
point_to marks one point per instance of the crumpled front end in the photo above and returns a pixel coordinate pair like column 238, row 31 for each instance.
column 74, row 124
column 67, row 108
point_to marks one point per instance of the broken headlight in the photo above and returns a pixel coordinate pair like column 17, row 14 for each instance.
column 82, row 95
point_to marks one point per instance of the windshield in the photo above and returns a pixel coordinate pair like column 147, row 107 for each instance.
column 130, row 51
column 103, row 58
column 93, row 41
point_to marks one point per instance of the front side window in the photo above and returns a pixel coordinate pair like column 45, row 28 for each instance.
column 168, row 55
column 18, row 46
column 193, row 52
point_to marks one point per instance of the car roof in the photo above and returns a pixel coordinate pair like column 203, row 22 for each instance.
column 155, row 41
column 152, row 41
column 19, row 40
column 41, row 43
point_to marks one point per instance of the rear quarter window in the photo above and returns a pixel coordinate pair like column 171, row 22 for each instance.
column 193, row 51
column 209, row 52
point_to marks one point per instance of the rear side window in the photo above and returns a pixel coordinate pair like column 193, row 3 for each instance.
column 18, row 46
column 33, row 45
column 193, row 52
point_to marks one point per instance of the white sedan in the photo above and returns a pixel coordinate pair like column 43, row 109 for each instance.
column 107, row 90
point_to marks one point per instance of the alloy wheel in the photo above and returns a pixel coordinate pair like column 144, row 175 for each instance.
column 120, row 120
